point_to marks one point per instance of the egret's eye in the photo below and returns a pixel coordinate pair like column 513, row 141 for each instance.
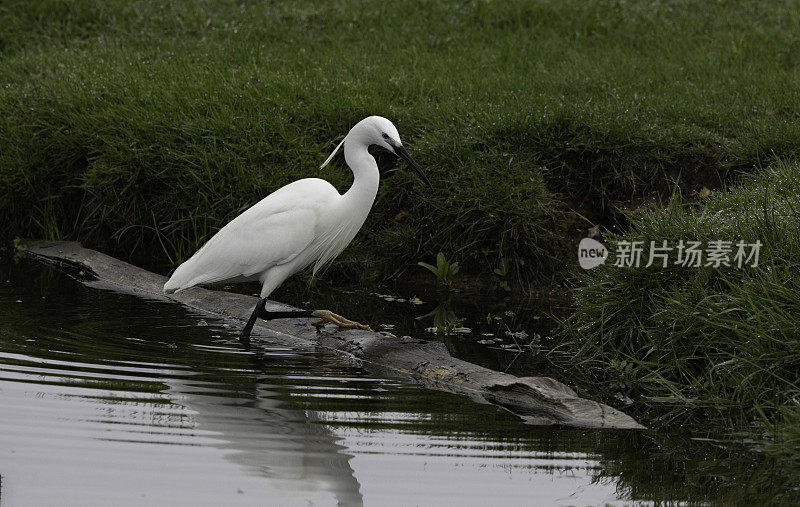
column 385, row 136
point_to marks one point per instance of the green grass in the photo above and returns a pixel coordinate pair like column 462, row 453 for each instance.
column 694, row 345
column 142, row 127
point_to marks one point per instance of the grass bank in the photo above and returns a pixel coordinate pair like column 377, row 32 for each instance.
column 142, row 127
column 706, row 344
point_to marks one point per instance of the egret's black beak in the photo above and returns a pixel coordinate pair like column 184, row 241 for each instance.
column 402, row 153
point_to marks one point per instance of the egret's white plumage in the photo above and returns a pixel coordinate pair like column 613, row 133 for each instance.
column 306, row 222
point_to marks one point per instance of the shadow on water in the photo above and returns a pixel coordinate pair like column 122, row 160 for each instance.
column 108, row 397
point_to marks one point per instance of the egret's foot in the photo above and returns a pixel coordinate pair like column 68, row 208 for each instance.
column 328, row 316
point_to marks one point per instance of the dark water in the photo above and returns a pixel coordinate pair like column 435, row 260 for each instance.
column 106, row 399
column 496, row 329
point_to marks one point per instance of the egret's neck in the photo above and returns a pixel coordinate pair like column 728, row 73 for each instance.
column 365, row 173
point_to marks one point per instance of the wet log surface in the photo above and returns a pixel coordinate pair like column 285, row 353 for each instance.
column 537, row 400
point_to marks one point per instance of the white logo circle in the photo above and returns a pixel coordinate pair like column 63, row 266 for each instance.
column 591, row 253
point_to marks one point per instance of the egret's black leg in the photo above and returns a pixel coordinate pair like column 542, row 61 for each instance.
column 244, row 336
column 259, row 311
column 292, row 314
column 325, row 315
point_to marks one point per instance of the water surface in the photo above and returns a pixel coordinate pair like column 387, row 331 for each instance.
column 109, row 399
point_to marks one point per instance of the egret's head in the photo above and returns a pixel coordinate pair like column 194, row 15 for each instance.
column 380, row 131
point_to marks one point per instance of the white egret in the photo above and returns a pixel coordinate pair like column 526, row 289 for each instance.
column 306, row 222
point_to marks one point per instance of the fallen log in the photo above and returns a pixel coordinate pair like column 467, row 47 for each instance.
column 537, row 400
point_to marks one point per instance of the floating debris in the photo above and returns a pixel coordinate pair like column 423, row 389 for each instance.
column 388, row 297
column 623, row 399
column 387, row 326
column 455, row 330
column 490, row 342
column 519, row 334
column 416, row 301
column 202, row 322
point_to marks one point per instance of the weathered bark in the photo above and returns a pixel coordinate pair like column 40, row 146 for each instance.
column 538, row 400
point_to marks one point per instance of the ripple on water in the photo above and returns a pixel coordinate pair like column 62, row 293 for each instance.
column 109, row 399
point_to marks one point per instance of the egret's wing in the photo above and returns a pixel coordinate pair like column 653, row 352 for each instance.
column 272, row 232
column 249, row 246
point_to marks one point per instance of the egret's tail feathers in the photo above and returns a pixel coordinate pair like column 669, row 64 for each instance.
column 170, row 288
column 185, row 278
column 175, row 284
